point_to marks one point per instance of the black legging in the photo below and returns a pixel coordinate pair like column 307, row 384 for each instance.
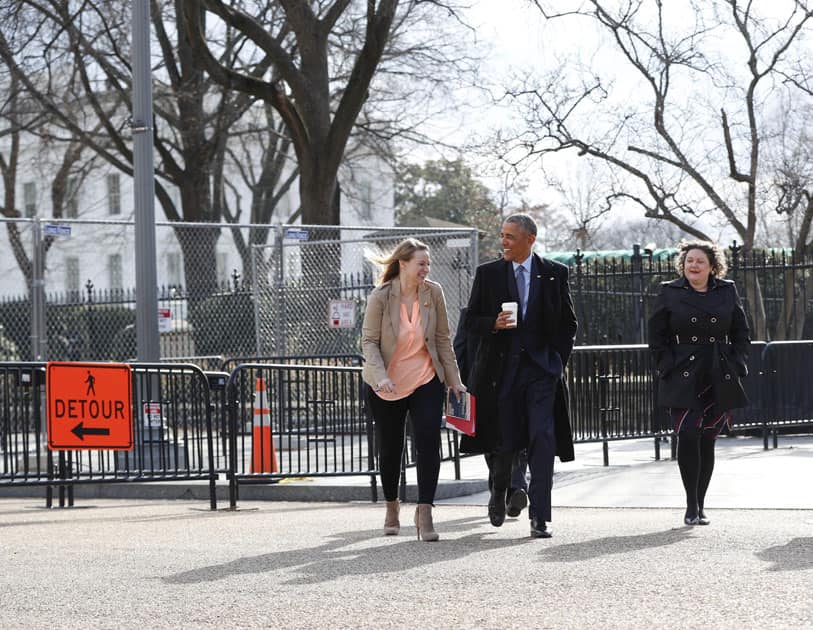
column 425, row 405
column 695, row 456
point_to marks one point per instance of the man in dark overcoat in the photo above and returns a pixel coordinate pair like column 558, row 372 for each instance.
column 465, row 349
column 517, row 375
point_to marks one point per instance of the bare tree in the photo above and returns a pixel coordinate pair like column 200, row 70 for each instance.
column 23, row 122
column 192, row 116
column 259, row 153
column 324, row 56
column 686, row 141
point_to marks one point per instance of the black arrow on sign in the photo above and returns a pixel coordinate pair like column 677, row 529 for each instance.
column 80, row 431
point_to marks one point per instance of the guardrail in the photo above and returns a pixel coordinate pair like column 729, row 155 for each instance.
column 341, row 360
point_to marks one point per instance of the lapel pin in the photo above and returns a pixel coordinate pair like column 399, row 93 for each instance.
column 552, row 278
column 426, row 304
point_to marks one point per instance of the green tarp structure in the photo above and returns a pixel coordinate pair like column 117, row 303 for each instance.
column 569, row 258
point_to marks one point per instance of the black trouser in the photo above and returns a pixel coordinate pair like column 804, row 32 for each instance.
column 424, row 405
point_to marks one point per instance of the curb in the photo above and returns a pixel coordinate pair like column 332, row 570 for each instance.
column 299, row 490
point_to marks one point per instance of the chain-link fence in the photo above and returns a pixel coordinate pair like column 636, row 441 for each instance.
column 310, row 285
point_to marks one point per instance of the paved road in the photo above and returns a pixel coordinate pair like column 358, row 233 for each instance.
column 272, row 564
column 125, row 564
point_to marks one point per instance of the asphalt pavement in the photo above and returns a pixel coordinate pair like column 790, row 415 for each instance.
column 620, row 556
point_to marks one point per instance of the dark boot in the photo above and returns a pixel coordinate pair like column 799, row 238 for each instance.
column 501, row 478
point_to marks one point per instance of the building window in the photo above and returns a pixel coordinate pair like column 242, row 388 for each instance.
column 113, row 193
column 367, row 202
column 30, row 199
column 72, row 198
column 72, row 274
column 173, row 269
column 114, row 268
column 222, row 269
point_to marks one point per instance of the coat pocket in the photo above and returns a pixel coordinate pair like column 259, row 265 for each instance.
column 735, row 361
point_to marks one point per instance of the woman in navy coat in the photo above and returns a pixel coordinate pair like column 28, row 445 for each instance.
column 698, row 336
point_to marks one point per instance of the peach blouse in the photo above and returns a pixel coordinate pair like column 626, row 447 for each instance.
column 411, row 366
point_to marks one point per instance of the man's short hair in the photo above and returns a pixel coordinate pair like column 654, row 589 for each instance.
column 524, row 221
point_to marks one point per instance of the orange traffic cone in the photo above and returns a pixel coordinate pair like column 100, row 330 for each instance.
column 263, row 453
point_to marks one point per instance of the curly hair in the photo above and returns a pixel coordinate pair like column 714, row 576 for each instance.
column 717, row 260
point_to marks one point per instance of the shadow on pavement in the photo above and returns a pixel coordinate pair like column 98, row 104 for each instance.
column 350, row 553
column 796, row 555
column 590, row 549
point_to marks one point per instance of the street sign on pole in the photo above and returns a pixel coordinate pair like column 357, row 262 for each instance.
column 51, row 229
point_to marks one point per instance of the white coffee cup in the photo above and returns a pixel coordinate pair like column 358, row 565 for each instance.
column 511, row 307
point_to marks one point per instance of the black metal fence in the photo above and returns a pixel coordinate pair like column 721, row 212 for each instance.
column 614, row 296
column 265, row 422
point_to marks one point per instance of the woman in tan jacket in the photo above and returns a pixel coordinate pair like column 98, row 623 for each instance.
column 408, row 358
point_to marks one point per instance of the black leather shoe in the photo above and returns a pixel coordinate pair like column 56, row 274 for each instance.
column 702, row 520
column 517, row 501
column 539, row 529
column 691, row 520
column 496, row 508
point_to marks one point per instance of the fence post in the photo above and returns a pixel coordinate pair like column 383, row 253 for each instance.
column 638, row 288
column 90, row 326
column 735, row 258
column 39, row 330
column 579, row 298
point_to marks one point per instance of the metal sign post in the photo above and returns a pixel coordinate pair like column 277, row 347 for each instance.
column 147, row 339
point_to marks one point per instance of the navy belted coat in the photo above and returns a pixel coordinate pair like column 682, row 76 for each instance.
column 699, row 339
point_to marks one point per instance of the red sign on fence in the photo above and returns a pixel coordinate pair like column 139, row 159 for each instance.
column 90, row 406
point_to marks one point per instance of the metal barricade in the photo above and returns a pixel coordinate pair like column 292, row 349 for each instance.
column 23, row 440
column 343, row 360
column 787, row 388
column 611, row 395
column 752, row 418
column 173, row 434
column 288, row 420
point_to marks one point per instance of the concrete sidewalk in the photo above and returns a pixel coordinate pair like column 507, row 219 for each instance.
column 745, row 476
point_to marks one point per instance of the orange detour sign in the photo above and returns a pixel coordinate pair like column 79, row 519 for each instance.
column 90, row 406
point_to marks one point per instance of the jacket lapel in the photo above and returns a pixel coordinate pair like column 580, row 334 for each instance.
column 535, row 289
column 424, row 297
column 511, row 281
column 395, row 304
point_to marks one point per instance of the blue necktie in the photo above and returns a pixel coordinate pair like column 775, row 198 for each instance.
column 521, row 289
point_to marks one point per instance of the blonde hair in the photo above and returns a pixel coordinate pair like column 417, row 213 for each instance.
column 404, row 251
column 717, row 260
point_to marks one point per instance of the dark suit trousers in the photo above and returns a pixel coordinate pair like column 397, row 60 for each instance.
column 526, row 413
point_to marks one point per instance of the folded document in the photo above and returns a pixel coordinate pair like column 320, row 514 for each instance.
column 460, row 412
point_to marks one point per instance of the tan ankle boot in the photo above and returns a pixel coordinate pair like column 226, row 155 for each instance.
column 423, row 523
column 391, row 523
